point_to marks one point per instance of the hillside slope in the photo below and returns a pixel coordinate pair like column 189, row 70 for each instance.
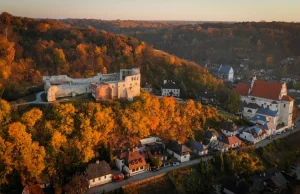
column 266, row 44
column 31, row 48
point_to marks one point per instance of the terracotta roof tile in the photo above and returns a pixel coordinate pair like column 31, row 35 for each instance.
column 287, row 98
column 135, row 160
column 242, row 89
column 232, row 140
column 268, row 90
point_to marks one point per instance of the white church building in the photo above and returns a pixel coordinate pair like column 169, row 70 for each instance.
column 266, row 103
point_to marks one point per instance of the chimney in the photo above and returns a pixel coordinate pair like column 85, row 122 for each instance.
column 165, row 81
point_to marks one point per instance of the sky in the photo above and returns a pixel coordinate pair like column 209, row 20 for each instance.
column 191, row 10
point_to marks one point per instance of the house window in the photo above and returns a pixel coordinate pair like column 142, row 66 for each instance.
column 93, row 180
column 99, row 178
column 133, row 170
column 184, row 156
column 141, row 167
column 105, row 177
column 284, row 106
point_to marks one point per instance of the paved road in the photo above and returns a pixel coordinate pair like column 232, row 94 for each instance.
column 289, row 132
column 112, row 186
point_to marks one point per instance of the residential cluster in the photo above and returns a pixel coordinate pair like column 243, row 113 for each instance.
column 154, row 153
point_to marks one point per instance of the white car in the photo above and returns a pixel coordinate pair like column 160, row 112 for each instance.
column 175, row 164
column 278, row 133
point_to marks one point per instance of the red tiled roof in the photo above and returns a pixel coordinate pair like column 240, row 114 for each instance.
column 232, row 140
column 136, row 160
column 287, row 98
column 242, row 89
column 268, row 90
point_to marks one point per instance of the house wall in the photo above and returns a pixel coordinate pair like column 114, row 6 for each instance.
column 126, row 169
column 167, row 92
column 119, row 164
column 249, row 114
column 235, row 145
column 184, row 158
column 139, row 170
column 249, row 137
column 229, row 133
column 286, row 113
column 100, row 180
column 230, row 75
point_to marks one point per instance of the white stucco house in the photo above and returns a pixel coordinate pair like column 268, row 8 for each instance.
column 253, row 134
column 266, row 103
column 197, row 147
column 179, row 151
column 170, row 88
column 98, row 173
column 131, row 162
column 225, row 72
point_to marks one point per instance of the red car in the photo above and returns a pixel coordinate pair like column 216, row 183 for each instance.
column 118, row 179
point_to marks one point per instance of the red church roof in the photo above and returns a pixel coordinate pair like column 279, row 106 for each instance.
column 262, row 89
column 287, row 98
column 242, row 89
column 268, row 90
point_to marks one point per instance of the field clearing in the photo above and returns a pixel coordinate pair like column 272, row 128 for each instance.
column 156, row 186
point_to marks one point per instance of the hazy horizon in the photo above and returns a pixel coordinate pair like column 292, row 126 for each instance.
column 157, row 10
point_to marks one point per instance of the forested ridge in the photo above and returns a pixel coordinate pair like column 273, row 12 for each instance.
column 55, row 143
column 31, row 48
column 266, row 44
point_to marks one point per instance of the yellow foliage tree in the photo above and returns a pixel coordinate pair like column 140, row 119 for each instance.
column 31, row 117
column 27, row 156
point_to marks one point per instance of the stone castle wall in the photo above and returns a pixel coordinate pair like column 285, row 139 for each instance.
column 122, row 86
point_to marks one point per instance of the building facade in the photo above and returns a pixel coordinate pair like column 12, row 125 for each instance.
column 131, row 162
column 99, row 173
column 225, row 72
column 179, row 151
column 125, row 84
column 170, row 88
column 266, row 103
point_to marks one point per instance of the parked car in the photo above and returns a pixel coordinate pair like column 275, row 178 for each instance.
column 165, row 165
column 283, row 131
column 270, row 137
column 175, row 164
column 154, row 168
column 278, row 133
column 119, row 179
